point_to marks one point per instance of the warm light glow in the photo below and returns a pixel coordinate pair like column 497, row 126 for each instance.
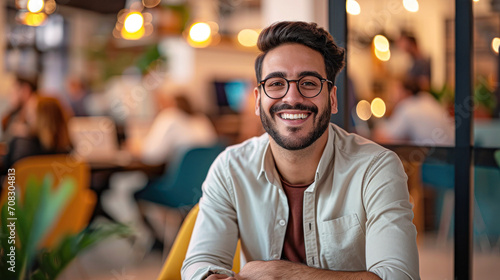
column 378, row 107
column 352, row 7
column 363, row 110
column 133, row 22
column 411, row 5
column 33, row 19
column 495, row 44
column 35, row 6
column 381, row 43
column 383, row 56
column 476, row 0
column 150, row 3
column 199, row 32
column 133, row 35
column 50, row 6
column 248, row 37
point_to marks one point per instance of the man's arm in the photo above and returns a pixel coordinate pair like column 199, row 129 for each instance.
column 261, row 270
column 215, row 234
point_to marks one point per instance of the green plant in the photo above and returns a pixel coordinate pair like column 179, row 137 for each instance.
column 27, row 222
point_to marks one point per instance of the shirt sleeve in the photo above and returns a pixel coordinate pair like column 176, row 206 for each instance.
column 391, row 248
column 215, row 234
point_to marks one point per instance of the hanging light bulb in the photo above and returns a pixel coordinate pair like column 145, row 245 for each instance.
column 133, row 22
column 35, row 6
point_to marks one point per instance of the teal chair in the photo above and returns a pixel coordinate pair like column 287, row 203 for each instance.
column 486, row 196
column 180, row 186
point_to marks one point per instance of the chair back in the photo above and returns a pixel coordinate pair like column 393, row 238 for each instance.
column 181, row 184
column 171, row 269
column 78, row 210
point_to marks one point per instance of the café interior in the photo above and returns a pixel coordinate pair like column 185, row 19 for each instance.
column 124, row 81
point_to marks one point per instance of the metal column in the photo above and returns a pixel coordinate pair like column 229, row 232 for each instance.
column 463, row 133
column 337, row 25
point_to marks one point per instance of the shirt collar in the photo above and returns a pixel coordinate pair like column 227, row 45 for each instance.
column 268, row 167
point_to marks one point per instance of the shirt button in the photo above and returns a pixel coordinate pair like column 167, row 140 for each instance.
column 275, row 256
column 282, row 223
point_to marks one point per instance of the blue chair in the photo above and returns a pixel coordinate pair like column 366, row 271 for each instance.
column 180, row 186
column 486, row 196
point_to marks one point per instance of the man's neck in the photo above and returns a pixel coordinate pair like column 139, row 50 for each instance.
column 299, row 167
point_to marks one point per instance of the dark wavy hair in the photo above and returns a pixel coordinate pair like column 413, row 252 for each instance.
column 307, row 34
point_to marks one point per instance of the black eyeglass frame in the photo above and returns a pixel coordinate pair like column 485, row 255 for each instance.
column 322, row 80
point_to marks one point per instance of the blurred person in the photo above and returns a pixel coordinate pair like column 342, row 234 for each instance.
column 420, row 70
column 307, row 200
column 47, row 131
column 417, row 118
column 78, row 97
column 174, row 130
column 14, row 121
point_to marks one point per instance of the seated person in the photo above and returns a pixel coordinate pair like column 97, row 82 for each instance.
column 307, row 200
column 23, row 92
column 418, row 118
column 47, row 131
column 176, row 128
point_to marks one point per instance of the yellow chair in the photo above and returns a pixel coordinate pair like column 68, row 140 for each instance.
column 172, row 268
column 78, row 210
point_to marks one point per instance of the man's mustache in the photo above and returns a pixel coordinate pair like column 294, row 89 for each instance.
column 283, row 106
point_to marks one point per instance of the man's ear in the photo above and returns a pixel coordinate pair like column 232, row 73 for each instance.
column 333, row 100
column 256, row 93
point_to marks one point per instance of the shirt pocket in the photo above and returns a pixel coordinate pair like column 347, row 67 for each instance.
column 342, row 244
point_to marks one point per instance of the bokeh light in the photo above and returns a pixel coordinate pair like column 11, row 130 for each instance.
column 50, row 6
column 381, row 43
column 411, row 5
column 35, row 6
column 199, row 32
column 133, row 35
column 248, row 37
column 495, row 44
column 133, row 22
column 150, row 3
column 352, row 7
column 383, row 56
column 378, row 107
column 363, row 110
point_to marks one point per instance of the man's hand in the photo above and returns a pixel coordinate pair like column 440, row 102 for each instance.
column 268, row 270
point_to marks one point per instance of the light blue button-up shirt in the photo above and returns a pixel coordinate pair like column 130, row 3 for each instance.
column 357, row 214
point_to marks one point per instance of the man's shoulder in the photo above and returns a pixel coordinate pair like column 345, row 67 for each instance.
column 249, row 151
column 354, row 144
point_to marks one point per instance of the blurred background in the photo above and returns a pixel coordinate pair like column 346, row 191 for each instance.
column 140, row 86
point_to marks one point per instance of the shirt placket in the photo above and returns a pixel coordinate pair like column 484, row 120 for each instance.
column 309, row 213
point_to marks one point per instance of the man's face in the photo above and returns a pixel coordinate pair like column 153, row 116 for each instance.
column 295, row 122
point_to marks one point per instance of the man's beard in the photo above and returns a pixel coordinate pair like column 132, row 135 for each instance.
column 320, row 125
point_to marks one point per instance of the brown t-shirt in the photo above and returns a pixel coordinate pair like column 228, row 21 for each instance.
column 294, row 249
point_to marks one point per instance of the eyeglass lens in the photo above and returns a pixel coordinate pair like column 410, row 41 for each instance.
column 309, row 86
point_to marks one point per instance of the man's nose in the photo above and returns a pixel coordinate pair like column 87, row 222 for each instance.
column 293, row 95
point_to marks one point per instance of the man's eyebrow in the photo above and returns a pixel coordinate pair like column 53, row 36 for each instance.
column 310, row 73
column 276, row 74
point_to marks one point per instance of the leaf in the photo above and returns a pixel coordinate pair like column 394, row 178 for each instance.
column 53, row 262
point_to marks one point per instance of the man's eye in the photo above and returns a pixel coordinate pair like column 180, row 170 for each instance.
column 276, row 84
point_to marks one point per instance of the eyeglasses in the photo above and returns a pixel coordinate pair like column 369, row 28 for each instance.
column 308, row 86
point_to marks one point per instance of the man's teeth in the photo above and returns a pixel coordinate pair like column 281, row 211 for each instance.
column 294, row 116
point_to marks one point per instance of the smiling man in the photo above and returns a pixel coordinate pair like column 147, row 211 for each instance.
column 306, row 199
